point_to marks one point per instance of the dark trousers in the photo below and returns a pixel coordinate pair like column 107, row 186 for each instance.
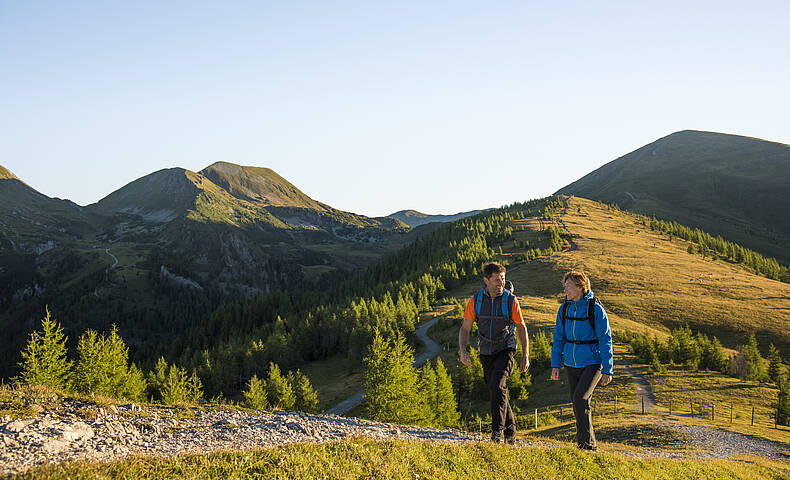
column 582, row 382
column 496, row 370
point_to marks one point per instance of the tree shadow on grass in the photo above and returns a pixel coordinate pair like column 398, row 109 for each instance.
column 644, row 435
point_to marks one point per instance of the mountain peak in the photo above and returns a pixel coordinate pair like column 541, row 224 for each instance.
column 730, row 185
column 409, row 213
column 259, row 185
column 158, row 196
column 6, row 174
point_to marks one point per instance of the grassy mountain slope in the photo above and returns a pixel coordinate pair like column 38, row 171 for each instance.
column 24, row 210
column 652, row 279
column 259, row 185
column 737, row 187
column 647, row 281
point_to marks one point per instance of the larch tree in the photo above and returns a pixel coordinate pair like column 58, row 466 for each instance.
column 391, row 383
column 44, row 360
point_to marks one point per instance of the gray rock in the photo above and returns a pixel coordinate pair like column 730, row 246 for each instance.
column 55, row 446
column 77, row 431
column 18, row 425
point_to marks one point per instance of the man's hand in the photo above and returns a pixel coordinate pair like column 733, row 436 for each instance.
column 606, row 380
column 555, row 373
column 523, row 364
column 465, row 357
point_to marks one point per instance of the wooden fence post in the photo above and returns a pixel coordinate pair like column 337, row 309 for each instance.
column 670, row 405
column 536, row 418
column 692, row 407
column 643, row 404
column 712, row 411
column 730, row 412
column 752, row 415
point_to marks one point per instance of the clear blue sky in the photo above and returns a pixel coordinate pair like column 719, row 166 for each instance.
column 374, row 107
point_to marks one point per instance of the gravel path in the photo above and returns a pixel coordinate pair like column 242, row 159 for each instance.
column 715, row 442
column 119, row 432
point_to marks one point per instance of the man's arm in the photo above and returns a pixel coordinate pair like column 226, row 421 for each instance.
column 463, row 341
column 523, row 340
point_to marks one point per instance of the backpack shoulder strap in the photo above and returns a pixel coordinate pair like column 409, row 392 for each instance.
column 505, row 304
column 591, row 311
column 564, row 310
column 478, row 302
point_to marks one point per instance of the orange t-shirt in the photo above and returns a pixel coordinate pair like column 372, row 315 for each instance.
column 515, row 313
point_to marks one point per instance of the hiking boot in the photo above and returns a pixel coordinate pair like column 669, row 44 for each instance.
column 510, row 439
column 591, row 448
column 496, row 437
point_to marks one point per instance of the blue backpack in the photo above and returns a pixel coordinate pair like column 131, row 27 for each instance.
column 504, row 304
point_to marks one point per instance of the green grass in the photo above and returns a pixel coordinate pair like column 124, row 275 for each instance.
column 705, row 389
column 613, row 433
column 335, row 379
column 365, row 459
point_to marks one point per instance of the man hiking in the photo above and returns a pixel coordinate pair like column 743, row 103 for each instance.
column 498, row 317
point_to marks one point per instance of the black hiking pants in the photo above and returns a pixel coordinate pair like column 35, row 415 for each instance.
column 496, row 370
column 582, row 382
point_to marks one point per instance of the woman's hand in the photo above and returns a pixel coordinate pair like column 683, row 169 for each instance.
column 605, row 380
column 555, row 373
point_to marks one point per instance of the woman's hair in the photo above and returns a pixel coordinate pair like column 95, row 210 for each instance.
column 579, row 278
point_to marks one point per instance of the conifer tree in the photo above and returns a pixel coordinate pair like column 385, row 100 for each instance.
column 391, row 382
column 157, row 379
column 44, row 360
column 255, row 395
column 518, row 383
column 102, row 364
column 755, row 368
column 174, row 389
column 774, row 365
column 783, row 399
column 447, row 414
column 87, row 375
column 540, row 351
column 427, row 388
column 179, row 387
column 470, row 377
column 306, row 398
column 194, row 388
column 135, row 385
column 279, row 391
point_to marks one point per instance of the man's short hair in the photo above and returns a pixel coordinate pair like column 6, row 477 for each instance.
column 579, row 278
column 493, row 268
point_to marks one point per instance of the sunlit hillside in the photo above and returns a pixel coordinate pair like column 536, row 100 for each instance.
column 645, row 278
column 729, row 185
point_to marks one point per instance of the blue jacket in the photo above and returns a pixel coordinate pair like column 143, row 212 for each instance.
column 581, row 355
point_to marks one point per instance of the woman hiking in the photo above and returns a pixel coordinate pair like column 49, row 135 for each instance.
column 583, row 344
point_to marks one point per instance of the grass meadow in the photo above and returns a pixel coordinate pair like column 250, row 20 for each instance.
column 366, row 459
